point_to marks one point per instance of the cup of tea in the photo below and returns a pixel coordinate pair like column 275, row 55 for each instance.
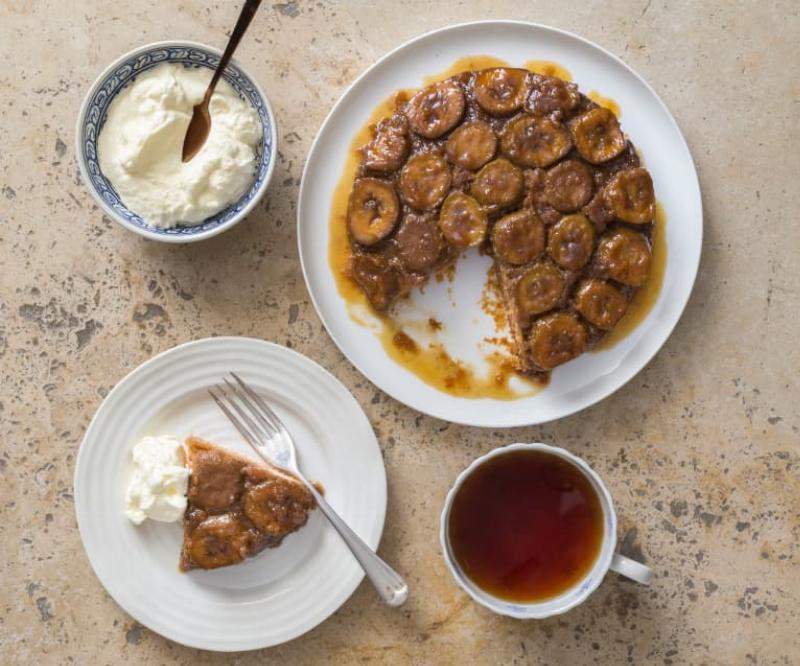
column 530, row 531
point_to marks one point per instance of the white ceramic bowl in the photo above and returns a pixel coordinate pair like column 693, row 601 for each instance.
column 123, row 71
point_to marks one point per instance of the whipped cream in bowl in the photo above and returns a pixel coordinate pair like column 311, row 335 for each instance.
column 130, row 135
column 141, row 143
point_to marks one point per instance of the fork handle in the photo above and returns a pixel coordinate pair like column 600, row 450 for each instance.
column 387, row 582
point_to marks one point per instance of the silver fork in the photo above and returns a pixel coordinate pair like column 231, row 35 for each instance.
column 264, row 431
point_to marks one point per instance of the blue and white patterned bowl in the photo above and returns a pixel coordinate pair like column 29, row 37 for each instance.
column 93, row 114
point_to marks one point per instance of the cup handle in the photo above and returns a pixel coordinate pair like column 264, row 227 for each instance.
column 632, row 569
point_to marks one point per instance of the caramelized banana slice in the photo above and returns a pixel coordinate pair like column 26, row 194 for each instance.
column 629, row 195
column 219, row 541
column 529, row 141
column 379, row 281
column 539, row 288
column 499, row 184
column 557, row 338
column 462, row 221
column 568, row 186
column 501, row 91
column 373, row 210
column 389, row 147
column 436, row 109
column 419, row 241
column 600, row 303
column 549, row 95
column 624, row 256
column 597, row 135
column 571, row 242
column 471, row 145
column 277, row 506
column 424, row 181
column 518, row 237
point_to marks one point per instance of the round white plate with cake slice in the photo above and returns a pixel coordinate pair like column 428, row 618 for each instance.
column 280, row 593
column 456, row 305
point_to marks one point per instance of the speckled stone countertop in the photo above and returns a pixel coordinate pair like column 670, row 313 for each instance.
column 700, row 450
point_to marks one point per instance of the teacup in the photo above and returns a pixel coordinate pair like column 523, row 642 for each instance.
column 555, row 478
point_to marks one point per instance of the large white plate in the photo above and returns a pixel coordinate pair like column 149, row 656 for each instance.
column 589, row 378
column 277, row 595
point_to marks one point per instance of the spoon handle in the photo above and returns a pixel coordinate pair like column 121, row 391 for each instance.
column 245, row 16
column 387, row 582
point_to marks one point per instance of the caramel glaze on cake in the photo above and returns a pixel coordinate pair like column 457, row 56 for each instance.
column 236, row 507
column 531, row 171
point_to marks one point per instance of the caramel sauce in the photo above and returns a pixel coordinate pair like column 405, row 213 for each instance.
column 432, row 363
column 404, row 342
column 436, row 367
column 607, row 102
column 469, row 63
column 434, row 324
column 526, row 526
column 548, row 68
column 339, row 246
column 466, row 64
column 647, row 295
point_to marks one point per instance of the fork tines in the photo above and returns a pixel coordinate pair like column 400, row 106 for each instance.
column 247, row 411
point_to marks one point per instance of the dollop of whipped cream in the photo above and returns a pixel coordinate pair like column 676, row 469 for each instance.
column 157, row 488
column 140, row 147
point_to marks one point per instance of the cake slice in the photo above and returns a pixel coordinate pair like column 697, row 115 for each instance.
column 236, row 507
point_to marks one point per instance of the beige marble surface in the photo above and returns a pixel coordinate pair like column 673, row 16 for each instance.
column 700, row 450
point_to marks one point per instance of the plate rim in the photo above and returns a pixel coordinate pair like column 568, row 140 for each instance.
column 142, row 367
column 629, row 375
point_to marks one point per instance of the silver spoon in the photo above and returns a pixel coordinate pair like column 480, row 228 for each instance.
column 200, row 124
